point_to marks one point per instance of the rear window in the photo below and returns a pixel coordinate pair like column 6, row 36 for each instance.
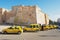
column 30, row 26
column 37, row 26
column 34, row 26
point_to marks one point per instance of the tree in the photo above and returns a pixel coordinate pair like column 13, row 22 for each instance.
column 51, row 22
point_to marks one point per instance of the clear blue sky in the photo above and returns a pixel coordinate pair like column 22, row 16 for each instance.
column 50, row 7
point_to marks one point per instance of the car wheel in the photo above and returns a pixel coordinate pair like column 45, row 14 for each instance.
column 5, row 32
column 19, row 32
column 24, row 30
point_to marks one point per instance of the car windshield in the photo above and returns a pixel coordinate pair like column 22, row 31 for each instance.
column 34, row 26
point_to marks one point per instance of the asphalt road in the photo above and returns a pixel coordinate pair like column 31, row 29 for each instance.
column 53, row 34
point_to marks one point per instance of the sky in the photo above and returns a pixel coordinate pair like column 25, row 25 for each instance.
column 50, row 7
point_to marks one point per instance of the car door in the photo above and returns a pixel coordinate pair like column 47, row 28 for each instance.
column 37, row 26
column 29, row 28
column 10, row 30
column 33, row 27
column 16, row 29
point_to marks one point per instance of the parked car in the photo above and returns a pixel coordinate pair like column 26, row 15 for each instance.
column 46, row 27
column 55, row 26
column 32, row 27
column 13, row 29
column 51, row 26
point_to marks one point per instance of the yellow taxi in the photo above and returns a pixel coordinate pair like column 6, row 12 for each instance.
column 51, row 26
column 45, row 27
column 13, row 29
column 32, row 27
column 55, row 26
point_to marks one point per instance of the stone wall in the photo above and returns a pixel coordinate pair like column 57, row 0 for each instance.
column 1, row 21
column 42, row 18
column 25, row 14
column 46, row 19
column 9, row 17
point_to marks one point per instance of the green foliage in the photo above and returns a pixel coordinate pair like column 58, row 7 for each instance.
column 53, row 22
column 50, row 22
